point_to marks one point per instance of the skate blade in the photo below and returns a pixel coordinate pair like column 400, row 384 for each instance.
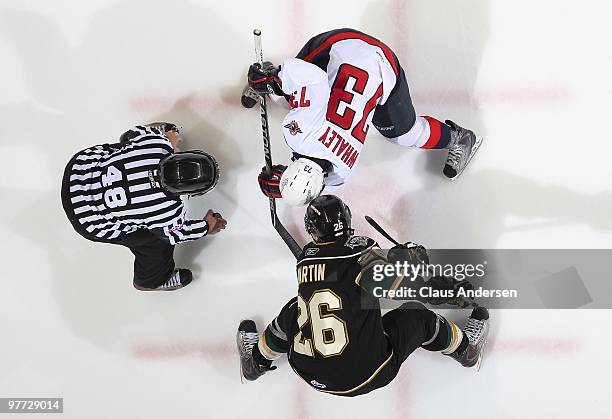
column 484, row 345
column 239, row 360
column 480, row 356
column 472, row 153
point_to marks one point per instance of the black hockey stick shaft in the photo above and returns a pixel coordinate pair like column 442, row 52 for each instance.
column 264, row 111
column 278, row 226
column 378, row 228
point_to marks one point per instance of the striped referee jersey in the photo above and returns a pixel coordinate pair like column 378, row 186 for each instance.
column 111, row 190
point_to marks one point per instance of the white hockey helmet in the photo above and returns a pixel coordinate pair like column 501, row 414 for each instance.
column 301, row 182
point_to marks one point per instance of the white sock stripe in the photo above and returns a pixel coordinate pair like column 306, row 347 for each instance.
column 417, row 136
column 435, row 335
column 277, row 331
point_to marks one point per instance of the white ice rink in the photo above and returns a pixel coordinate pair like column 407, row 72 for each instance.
column 533, row 77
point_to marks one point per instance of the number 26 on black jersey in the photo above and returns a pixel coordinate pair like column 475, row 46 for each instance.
column 329, row 333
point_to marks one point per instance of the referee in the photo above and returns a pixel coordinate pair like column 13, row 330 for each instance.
column 129, row 194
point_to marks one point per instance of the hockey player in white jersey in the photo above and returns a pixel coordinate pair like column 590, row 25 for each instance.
column 340, row 83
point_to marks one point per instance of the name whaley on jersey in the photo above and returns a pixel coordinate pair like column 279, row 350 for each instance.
column 342, row 148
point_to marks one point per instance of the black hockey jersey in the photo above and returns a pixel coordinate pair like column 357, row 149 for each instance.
column 333, row 342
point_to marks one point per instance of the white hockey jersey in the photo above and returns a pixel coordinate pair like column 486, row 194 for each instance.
column 331, row 112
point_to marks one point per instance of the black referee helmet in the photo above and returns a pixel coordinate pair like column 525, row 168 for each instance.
column 188, row 173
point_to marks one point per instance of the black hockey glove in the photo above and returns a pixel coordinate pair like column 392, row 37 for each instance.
column 412, row 254
column 448, row 284
column 264, row 80
column 269, row 183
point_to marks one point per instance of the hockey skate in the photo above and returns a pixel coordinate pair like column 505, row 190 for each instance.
column 464, row 144
column 476, row 331
column 246, row 338
column 180, row 278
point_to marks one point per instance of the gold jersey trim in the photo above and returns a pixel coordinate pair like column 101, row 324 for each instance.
column 372, row 377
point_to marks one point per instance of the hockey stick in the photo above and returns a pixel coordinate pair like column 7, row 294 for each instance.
column 278, row 226
column 377, row 227
column 386, row 235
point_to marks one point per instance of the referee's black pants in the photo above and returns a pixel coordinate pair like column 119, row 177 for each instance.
column 153, row 258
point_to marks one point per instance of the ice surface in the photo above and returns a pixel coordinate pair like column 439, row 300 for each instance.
column 532, row 77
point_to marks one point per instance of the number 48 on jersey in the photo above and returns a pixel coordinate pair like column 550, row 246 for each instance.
column 114, row 197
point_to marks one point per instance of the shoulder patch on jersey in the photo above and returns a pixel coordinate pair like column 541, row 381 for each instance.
column 294, row 128
column 357, row 241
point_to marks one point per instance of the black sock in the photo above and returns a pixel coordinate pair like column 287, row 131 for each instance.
column 259, row 358
column 463, row 345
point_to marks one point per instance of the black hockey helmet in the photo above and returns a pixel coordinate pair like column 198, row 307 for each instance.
column 328, row 219
column 188, row 173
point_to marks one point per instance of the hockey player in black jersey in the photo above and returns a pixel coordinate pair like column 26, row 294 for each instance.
column 331, row 341
column 128, row 193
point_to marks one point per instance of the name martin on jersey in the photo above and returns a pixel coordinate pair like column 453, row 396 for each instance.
column 311, row 273
column 341, row 147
